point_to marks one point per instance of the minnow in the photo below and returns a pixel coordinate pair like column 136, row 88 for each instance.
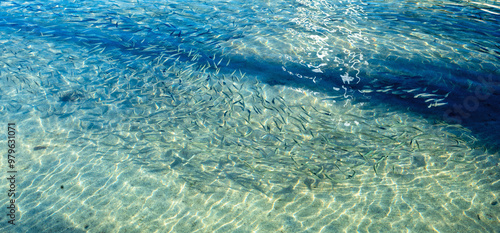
column 424, row 95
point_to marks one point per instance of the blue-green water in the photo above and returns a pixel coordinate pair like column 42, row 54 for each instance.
column 238, row 116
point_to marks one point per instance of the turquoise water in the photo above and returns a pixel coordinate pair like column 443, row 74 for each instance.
column 237, row 116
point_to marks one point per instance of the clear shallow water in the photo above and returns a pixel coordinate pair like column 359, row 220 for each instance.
column 232, row 116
